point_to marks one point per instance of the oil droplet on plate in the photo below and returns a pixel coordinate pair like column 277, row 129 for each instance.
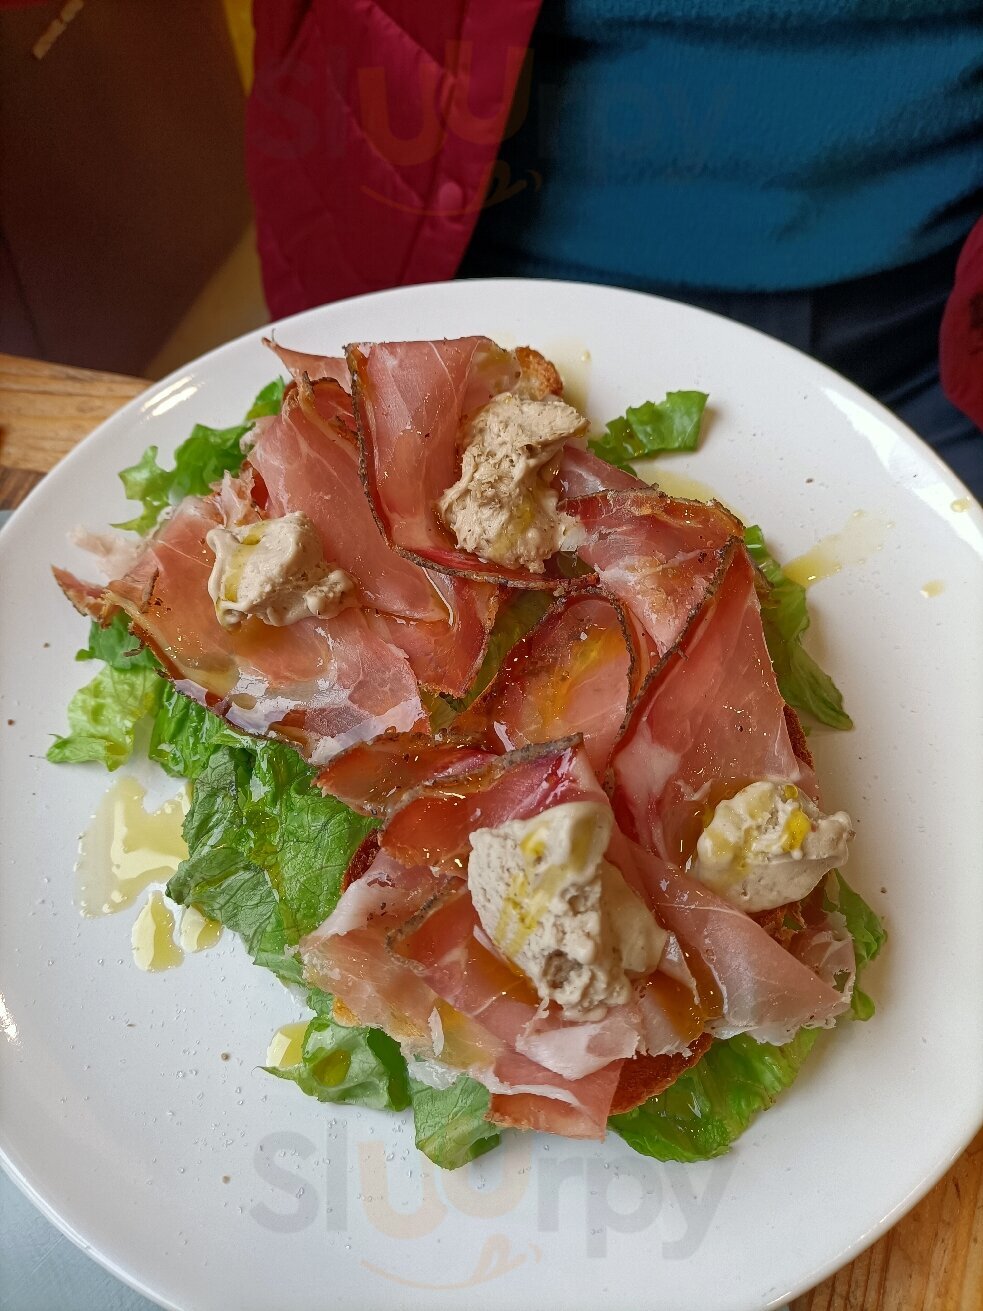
column 127, row 847
column 572, row 359
column 933, row 588
column 679, row 485
column 198, row 932
column 285, row 1045
column 961, row 503
column 152, row 938
column 862, row 537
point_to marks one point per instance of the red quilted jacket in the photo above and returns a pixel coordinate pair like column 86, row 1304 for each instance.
column 372, row 136
column 373, row 130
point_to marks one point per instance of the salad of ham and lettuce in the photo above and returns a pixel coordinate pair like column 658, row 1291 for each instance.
column 495, row 749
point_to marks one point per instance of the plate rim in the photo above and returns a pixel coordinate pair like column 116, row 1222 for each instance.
column 133, row 408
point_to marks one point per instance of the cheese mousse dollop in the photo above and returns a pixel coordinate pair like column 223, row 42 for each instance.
column 502, row 508
column 769, row 845
column 562, row 914
column 274, row 570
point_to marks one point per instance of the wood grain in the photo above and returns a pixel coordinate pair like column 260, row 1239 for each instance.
column 46, row 409
column 932, row 1260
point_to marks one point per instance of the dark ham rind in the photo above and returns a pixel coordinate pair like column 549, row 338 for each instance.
column 322, row 685
column 656, row 554
column 435, row 824
column 708, row 721
column 647, row 1076
column 89, row 599
column 374, row 778
column 572, row 673
column 410, row 399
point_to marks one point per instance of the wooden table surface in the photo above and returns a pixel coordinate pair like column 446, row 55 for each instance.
column 931, row 1261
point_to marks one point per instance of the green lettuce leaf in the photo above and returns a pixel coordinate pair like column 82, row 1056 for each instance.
column 199, row 461
column 103, row 717
column 266, row 850
column 117, row 646
column 450, row 1123
column 301, row 838
column 184, row 735
column 220, row 876
column 360, row 1066
column 268, row 401
column 786, row 617
column 711, row 1105
column 643, row 430
column 867, row 931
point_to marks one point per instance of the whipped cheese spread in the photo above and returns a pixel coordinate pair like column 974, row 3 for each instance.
column 275, row 570
column 502, row 507
column 562, row 914
column 768, row 845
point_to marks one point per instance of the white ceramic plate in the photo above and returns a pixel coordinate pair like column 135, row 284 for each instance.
column 121, row 1120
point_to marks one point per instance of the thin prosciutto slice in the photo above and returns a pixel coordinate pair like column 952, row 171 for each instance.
column 375, row 777
column 321, row 684
column 301, row 364
column 582, row 473
column 308, row 460
column 748, row 982
column 446, row 654
column 709, row 721
column 446, row 946
column 658, row 555
column 410, row 401
column 435, row 827
column 574, row 1108
column 570, row 674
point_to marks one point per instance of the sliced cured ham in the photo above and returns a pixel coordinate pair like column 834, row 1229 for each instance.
column 575, row 1109
column 570, row 674
column 435, row 827
column 445, row 946
column 348, row 957
column 748, row 983
column 658, row 555
column 308, row 461
column 709, row 720
column 89, row 599
column 321, row 684
column 375, row 777
column 446, row 654
column 301, row 364
column 410, row 401
column 582, row 473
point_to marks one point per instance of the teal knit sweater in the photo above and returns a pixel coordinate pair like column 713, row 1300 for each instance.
column 741, row 144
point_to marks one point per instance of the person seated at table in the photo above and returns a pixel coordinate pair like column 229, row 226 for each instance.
column 811, row 169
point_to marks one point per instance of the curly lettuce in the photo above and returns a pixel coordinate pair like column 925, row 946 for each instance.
column 199, row 461
column 647, row 429
column 785, row 616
